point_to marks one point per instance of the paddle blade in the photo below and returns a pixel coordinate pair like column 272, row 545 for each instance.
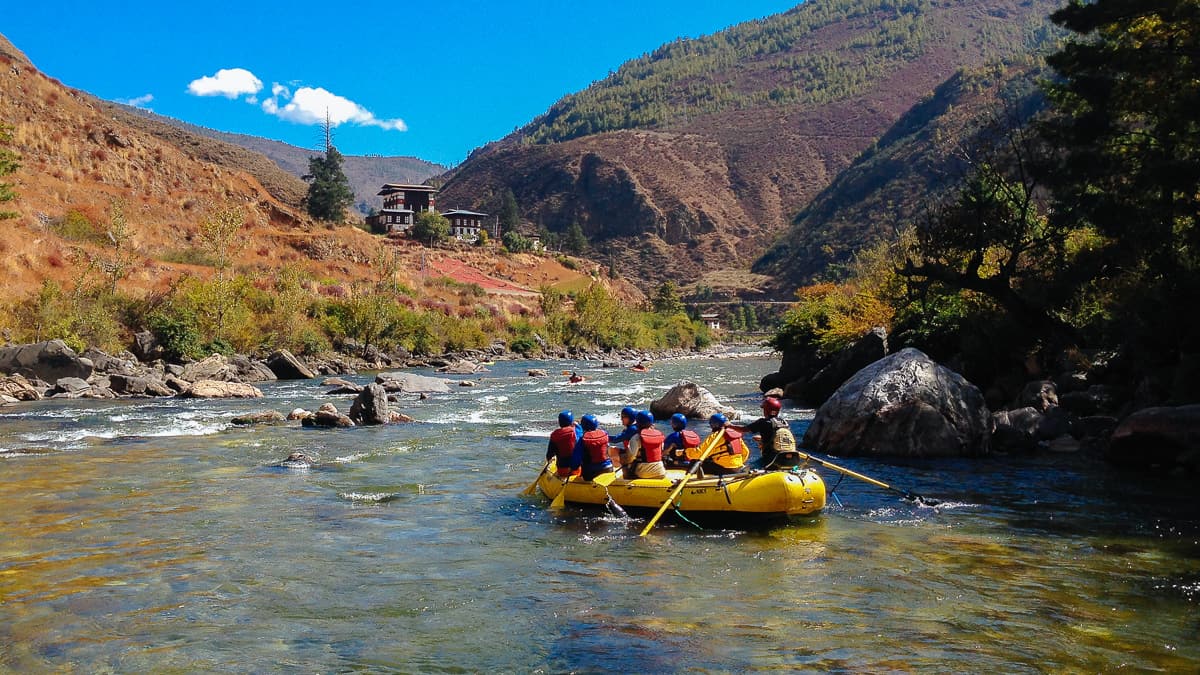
column 532, row 489
column 560, row 499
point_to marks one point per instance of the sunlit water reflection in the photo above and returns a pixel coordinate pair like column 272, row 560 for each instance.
column 152, row 535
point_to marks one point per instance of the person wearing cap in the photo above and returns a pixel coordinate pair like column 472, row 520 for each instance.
column 562, row 445
column 729, row 454
column 643, row 457
column 765, row 429
column 592, row 450
column 678, row 441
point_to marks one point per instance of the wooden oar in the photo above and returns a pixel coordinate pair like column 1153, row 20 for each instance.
column 926, row 501
column 560, row 500
column 529, row 491
column 706, row 449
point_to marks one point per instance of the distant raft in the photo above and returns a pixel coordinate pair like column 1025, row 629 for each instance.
column 748, row 500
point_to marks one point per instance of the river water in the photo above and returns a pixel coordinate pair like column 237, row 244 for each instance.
column 153, row 536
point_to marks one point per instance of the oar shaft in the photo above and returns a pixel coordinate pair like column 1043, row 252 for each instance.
column 867, row 479
column 712, row 443
column 848, row 472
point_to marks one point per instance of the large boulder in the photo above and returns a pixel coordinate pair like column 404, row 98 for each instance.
column 147, row 348
column 217, row 389
column 137, row 385
column 1167, row 437
column 18, row 388
column 692, row 400
column 905, row 405
column 214, row 368
column 408, row 383
column 286, row 366
column 370, row 406
column 250, row 370
column 48, row 361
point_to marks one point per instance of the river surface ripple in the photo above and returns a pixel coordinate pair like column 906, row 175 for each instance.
column 152, row 536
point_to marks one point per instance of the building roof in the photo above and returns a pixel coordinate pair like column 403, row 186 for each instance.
column 389, row 188
column 709, row 316
column 463, row 212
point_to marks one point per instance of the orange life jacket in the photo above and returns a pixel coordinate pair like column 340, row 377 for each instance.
column 652, row 444
column 595, row 446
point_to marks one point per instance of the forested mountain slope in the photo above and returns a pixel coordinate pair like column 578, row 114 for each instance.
column 698, row 155
column 918, row 161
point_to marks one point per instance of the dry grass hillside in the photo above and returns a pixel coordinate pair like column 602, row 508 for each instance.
column 78, row 159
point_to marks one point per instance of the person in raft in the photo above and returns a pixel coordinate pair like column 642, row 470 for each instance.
column 643, row 458
column 766, row 428
column 562, row 445
column 628, row 431
column 677, row 443
column 575, row 377
column 591, row 453
column 730, row 453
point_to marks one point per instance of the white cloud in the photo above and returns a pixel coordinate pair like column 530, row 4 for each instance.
column 309, row 105
column 137, row 101
column 228, row 82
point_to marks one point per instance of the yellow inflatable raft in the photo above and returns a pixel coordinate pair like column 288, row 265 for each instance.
column 751, row 499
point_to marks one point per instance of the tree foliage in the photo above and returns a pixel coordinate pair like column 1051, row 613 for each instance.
column 509, row 214
column 329, row 193
column 515, row 242
column 666, row 299
column 430, row 227
column 574, row 241
column 1127, row 126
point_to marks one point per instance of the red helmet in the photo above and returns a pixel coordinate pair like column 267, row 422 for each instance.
column 771, row 404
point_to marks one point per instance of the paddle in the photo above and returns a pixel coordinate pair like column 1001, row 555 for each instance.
column 560, row 500
column 924, row 501
column 528, row 492
column 706, row 449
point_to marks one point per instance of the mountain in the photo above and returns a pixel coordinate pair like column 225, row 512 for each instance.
column 695, row 158
column 366, row 173
column 85, row 163
column 921, row 158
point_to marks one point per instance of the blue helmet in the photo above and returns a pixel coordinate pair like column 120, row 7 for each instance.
column 678, row 421
column 565, row 418
column 717, row 421
column 589, row 422
column 628, row 411
column 644, row 419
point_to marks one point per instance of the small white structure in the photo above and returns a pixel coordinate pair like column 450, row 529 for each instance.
column 711, row 320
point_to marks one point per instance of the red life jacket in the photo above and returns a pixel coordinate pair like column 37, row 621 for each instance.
column 563, row 439
column 595, row 446
column 690, row 438
column 652, row 444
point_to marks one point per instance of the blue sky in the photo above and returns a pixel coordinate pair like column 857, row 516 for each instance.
column 432, row 80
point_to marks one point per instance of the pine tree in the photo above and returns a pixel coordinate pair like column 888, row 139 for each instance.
column 574, row 241
column 510, row 215
column 329, row 193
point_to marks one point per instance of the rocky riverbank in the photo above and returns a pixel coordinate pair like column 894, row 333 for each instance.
column 876, row 402
column 51, row 369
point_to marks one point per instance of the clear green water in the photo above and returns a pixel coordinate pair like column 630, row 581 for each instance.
column 150, row 536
